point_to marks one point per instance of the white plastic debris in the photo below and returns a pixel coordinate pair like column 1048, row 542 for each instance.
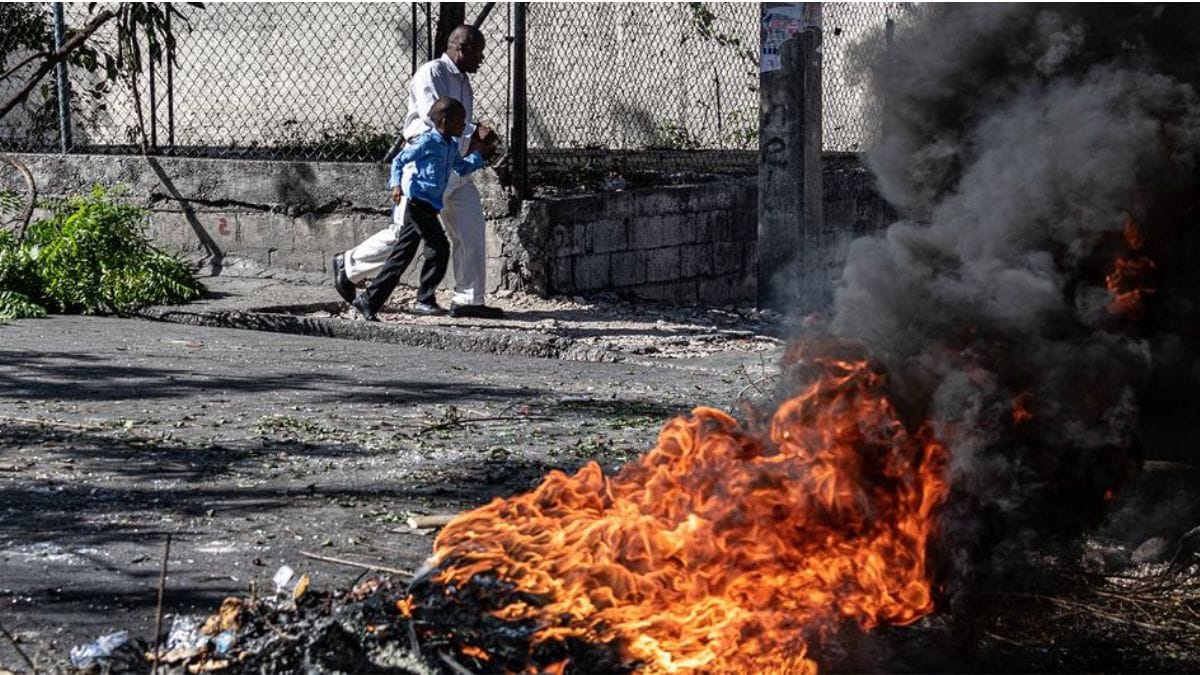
column 283, row 578
column 86, row 656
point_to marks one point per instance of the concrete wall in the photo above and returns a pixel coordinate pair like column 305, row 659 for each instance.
column 683, row 244
column 686, row 244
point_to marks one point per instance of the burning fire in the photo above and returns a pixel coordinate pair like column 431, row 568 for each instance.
column 1129, row 281
column 725, row 548
column 1021, row 408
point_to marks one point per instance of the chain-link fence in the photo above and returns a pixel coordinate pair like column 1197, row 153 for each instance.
column 631, row 85
column 854, row 35
column 25, row 30
column 260, row 80
column 677, row 79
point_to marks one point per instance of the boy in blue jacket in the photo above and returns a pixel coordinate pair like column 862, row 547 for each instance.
column 434, row 155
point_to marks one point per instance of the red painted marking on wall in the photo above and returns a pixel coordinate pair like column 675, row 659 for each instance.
column 223, row 227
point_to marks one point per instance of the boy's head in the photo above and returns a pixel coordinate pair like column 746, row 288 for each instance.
column 449, row 116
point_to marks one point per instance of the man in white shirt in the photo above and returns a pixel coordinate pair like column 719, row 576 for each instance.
column 462, row 214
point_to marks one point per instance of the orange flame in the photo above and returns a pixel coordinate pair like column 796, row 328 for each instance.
column 1129, row 281
column 724, row 549
column 1021, row 412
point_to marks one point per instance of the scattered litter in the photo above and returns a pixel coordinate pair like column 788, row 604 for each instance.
column 90, row 654
column 225, row 641
column 282, row 577
column 185, row 634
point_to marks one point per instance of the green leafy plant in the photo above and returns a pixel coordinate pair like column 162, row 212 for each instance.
column 676, row 137
column 14, row 305
column 90, row 256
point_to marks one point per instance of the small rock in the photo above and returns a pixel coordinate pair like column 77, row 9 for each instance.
column 1106, row 560
column 1154, row 549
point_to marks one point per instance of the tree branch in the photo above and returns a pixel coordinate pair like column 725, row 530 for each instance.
column 30, row 194
column 28, row 60
column 77, row 40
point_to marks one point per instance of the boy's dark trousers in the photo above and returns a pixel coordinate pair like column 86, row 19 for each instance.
column 421, row 222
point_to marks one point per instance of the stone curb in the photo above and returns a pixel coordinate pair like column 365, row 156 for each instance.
column 279, row 320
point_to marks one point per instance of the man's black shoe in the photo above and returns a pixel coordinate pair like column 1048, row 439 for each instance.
column 340, row 281
column 364, row 308
column 427, row 309
column 475, row 311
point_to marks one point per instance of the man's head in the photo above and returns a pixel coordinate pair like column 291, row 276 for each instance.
column 465, row 48
column 449, row 116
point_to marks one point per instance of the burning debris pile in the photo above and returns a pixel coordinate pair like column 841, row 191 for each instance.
column 1044, row 276
column 294, row 630
column 727, row 547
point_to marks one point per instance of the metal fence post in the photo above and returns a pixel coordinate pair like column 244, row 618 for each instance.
column 519, row 137
column 153, row 107
column 814, row 190
column 451, row 15
column 170, row 90
column 64, row 86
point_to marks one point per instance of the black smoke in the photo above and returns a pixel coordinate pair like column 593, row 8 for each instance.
column 1017, row 140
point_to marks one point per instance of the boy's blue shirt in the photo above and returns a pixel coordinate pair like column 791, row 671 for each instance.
column 435, row 156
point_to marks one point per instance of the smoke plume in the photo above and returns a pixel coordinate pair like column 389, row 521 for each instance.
column 1026, row 146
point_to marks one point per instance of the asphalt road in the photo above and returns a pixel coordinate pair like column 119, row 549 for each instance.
column 250, row 447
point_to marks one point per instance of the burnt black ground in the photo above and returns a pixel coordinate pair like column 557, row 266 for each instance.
column 250, row 447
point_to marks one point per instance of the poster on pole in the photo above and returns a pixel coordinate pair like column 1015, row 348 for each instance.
column 779, row 22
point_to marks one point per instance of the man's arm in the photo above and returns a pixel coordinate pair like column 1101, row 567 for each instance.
column 483, row 140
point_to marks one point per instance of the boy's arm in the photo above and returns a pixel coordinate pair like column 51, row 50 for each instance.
column 468, row 165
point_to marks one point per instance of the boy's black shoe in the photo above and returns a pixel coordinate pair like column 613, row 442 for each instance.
column 475, row 311
column 427, row 309
column 341, row 282
column 364, row 308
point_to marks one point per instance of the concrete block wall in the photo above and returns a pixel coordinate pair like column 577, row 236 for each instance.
column 692, row 244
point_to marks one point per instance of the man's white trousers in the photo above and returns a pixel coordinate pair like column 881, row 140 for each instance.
column 462, row 216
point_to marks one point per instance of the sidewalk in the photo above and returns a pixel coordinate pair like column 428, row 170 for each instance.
column 599, row 329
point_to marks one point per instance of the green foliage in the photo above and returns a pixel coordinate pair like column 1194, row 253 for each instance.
column 92, row 256
column 704, row 23
column 675, row 137
column 14, row 305
column 23, row 27
column 26, row 42
column 18, row 272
